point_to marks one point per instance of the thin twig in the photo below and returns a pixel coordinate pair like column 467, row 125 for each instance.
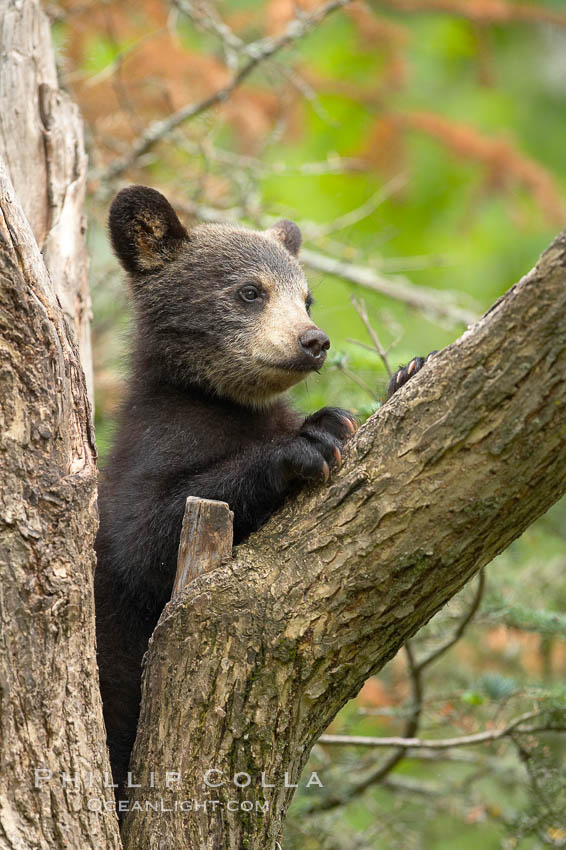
column 359, row 213
column 444, row 743
column 210, row 21
column 400, row 289
column 385, row 767
column 460, row 629
column 363, row 345
column 341, row 366
column 408, row 785
column 305, row 90
column 360, row 308
column 332, row 165
column 416, row 669
column 427, row 300
column 257, row 52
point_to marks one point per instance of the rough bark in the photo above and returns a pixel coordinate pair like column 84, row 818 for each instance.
column 41, row 142
column 50, row 711
column 251, row 662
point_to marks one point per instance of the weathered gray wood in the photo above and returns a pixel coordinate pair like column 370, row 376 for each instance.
column 50, row 710
column 247, row 668
column 41, row 142
column 206, row 540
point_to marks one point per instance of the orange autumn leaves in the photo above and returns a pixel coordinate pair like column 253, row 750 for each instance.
column 129, row 63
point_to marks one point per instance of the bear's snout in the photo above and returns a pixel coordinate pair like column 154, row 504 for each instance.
column 314, row 343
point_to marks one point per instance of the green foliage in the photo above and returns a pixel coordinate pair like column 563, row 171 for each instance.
column 496, row 686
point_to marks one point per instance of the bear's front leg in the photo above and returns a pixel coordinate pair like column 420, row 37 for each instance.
column 289, row 463
column 255, row 482
column 405, row 373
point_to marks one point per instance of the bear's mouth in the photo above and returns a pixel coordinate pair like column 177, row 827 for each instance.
column 299, row 365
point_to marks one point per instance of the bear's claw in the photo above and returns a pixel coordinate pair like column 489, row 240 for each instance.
column 404, row 373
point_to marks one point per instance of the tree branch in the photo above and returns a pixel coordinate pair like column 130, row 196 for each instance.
column 445, row 743
column 460, row 629
column 256, row 53
column 379, row 773
column 427, row 301
column 439, row 305
column 251, row 662
column 378, row 348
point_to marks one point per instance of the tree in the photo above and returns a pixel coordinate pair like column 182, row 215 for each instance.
column 255, row 656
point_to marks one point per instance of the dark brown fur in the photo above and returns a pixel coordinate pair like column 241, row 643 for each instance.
column 203, row 416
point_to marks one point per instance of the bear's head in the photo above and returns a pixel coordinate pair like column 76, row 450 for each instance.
column 219, row 306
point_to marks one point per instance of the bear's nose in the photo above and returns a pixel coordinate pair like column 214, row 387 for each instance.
column 315, row 343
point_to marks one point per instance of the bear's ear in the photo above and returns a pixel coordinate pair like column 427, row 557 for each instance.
column 288, row 234
column 145, row 231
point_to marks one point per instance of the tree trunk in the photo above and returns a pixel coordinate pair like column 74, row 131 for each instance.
column 252, row 661
column 50, row 713
column 41, row 142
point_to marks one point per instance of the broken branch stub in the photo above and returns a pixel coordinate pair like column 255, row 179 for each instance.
column 206, row 540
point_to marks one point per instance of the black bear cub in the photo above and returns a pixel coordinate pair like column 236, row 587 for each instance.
column 222, row 328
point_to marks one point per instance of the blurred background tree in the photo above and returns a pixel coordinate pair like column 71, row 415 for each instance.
column 420, row 146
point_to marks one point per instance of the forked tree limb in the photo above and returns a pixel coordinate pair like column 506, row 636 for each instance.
column 51, row 724
column 251, row 662
column 41, row 143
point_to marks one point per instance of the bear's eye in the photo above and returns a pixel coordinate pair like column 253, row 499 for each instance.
column 249, row 293
column 308, row 303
